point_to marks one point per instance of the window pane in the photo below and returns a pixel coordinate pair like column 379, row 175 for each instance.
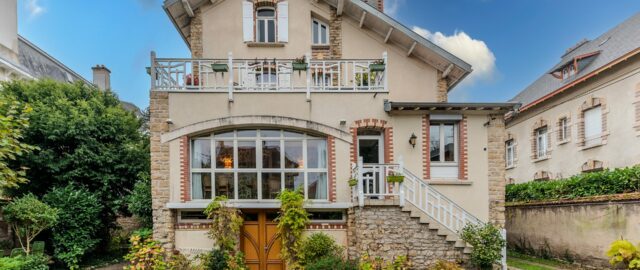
column 247, row 186
column 200, row 186
column 434, row 142
column 224, row 154
column 293, row 180
column 592, row 123
column 271, row 154
column 316, row 154
column 246, row 154
column 369, row 150
column 271, row 185
column 266, row 13
column 260, row 31
column 271, row 24
column 293, row 154
column 326, row 215
column 192, row 215
column 228, row 134
column 201, row 156
column 315, row 32
column 323, row 34
column 449, row 143
column 269, row 133
column 224, row 185
column 247, row 133
column 317, row 186
column 291, row 134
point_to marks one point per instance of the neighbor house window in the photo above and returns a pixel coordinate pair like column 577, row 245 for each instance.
column 266, row 24
column 443, row 142
column 509, row 153
column 563, row 129
column 541, row 142
column 320, row 32
column 258, row 164
column 592, row 126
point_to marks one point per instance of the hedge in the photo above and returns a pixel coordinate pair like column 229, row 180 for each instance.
column 617, row 181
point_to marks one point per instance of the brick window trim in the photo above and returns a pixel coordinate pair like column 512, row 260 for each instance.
column 593, row 165
column 463, row 168
column 331, row 145
column 426, row 164
column 376, row 124
column 540, row 123
column 558, row 129
column 590, row 103
column 185, row 190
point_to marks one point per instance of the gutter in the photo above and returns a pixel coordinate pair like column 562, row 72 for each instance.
column 582, row 79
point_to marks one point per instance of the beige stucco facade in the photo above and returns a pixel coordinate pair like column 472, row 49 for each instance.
column 617, row 90
column 178, row 115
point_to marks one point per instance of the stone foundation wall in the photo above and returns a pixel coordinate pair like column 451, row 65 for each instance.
column 387, row 232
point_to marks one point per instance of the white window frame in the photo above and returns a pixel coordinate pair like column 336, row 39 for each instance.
column 542, row 142
column 563, row 129
column 317, row 39
column 266, row 20
column 455, row 143
column 258, row 139
column 593, row 138
column 510, row 153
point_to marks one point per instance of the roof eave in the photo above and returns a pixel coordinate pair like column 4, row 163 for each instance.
column 488, row 107
column 165, row 6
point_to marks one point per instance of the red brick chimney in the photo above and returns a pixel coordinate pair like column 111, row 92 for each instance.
column 378, row 4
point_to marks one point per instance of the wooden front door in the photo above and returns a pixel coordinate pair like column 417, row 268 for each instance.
column 260, row 241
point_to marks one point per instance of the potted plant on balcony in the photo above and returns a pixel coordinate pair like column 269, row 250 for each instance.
column 299, row 64
column 191, row 81
column 377, row 66
column 395, row 177
column 353, row 182
column 219, row 67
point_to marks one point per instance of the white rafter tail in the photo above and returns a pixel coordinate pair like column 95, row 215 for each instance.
column 187, row 8
column 413, row 47
column 386, row 38
column 364, row 15
column 446, row 71
column 340, row 7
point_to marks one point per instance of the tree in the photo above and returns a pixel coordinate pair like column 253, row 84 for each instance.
column 79, row 220
column 13, row 121
column 84, row 137
column 28, row 217
column 139, row 202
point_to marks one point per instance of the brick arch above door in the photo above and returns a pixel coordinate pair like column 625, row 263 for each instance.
column 372, row 123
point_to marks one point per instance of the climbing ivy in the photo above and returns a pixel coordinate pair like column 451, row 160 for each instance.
column 225, row 230
column 291, row 223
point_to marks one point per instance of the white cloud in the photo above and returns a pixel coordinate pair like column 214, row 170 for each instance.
column 391, row 6
column 34, row 8
column 472, row 51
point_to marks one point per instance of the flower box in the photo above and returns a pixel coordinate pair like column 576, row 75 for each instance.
column 353, row 182
column 299, row 66
column 220, row 67
column 376, row 67
column 395, row 178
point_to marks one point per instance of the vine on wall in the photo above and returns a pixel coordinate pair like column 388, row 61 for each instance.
column 225, row 230
column 292, row 221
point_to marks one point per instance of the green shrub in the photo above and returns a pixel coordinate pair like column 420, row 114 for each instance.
column 624, row 253
column 143, row 233
column 617, row 181
column 213, row 260
column 317, row 246
column 291, row 224
column 331, row 262
column 30, row 262
column 79, row 222
column 445, row 265
column 487, row 244
column 28, row 217
column 139, row 202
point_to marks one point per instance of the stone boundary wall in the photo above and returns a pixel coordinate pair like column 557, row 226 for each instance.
column 578, row 231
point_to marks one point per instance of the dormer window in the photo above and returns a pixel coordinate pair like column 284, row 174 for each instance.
column 266, row 25
column 568, row 72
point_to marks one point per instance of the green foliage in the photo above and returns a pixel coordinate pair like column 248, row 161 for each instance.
column 378, row 263
column 291, row 224
column 445, row 265
column 13, row 121
column 225, row 230
column 213, row 260
column 623, row 252
column 145, row 254
column 79, row 219
column 331, row 262
column 617, row 181
column 317, row 246
column 139, row 202
column 487, row 243
column 84, row 137
column 143, row 233
column 28, row 217
column 30, row 262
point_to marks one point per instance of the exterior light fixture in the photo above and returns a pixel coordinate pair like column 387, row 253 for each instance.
column 412, row 140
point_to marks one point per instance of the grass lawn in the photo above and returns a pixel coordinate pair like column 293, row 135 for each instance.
column 526, row 262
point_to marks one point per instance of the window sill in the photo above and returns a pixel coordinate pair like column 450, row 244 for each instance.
column 320, row 47
column 266, row 44
column 510, row 167
column 541, row 159
column 449, row 182
column 563, row 142
column 587, row 147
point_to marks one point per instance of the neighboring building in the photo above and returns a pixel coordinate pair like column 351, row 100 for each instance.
column 242, row 119
column 583, row 114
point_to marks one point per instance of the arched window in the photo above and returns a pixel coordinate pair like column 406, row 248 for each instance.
column 257, row 164
column 266, row 24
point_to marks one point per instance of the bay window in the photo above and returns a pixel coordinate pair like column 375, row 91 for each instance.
column 258, row 165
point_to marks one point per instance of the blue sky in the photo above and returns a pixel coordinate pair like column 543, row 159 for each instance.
column 511, row 42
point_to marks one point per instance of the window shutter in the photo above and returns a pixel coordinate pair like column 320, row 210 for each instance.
column 592, row 123
column 283, row 21
column 247, row 21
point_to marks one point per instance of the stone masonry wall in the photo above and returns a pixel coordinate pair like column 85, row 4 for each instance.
column 163, row 218
column 387, row 232
column 496, row 168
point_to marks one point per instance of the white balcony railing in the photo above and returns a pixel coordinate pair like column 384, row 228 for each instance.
column 267, row 75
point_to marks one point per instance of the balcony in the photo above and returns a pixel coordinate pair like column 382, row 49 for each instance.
column 268, row 75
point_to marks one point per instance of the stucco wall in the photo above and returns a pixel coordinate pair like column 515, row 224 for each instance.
column 617, row 86
column 580, row 232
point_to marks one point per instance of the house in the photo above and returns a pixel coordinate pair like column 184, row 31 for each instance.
column 583, row 114
column 310, row 94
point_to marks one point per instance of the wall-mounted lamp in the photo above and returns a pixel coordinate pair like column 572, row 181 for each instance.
column 412, row 140
column 169, row 121
column 343, row 122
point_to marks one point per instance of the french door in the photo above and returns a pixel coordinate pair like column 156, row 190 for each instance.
column 371, row 149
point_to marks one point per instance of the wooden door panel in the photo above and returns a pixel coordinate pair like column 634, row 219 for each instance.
column 261, row 243
column 274, row 243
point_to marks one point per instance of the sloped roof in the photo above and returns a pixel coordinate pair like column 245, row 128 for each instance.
column 375, row 21
column 40, row 64
column 611, row 47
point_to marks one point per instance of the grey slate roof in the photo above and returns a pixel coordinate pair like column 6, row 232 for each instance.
column 40, row 64
column 615, row 43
